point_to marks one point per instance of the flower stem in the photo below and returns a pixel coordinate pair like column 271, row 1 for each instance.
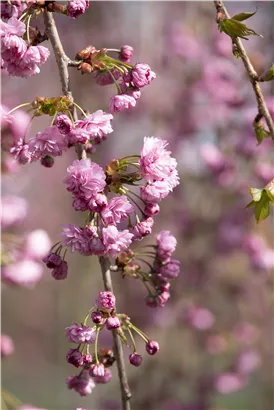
column 19, row 106
column 96, row 345
column 132, row 339
column 79, row 108
column 28, row 23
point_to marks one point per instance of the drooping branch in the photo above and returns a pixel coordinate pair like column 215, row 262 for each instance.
column 253, row 75
column 63, row 62
column 118, row 349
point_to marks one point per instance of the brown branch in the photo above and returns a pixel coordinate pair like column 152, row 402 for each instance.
column 253, row 75
column 118, row 349
column 63, row 62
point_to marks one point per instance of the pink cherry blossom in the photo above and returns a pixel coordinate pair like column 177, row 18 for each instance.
column 48, row 142
column 117, row 209
column 83, row 384
column 76, row 8
column 13, row 211
column 76, row 239
column 156, row 162
column 142, row 75
column 166, row 245
column 24, row 273
column 116, row 241
column 97, row 124
column 37, row 244
column 85, row 179
column 120, row 103
column 171, row 270
column 80, row 334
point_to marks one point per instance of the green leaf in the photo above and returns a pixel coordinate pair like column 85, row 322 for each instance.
column 261, row 202
column 262, row 209
column 256, row 194
column 260, row 132
column 234, row 28
column 269, row 75
column 243, row 16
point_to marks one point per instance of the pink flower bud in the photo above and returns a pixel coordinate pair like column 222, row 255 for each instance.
column 152, row 347
column 152, row 209
column 87, row 358
column 7, row 346
column 52, row 260
column 75, row 357
column 105, row 300
column 63, row 123
column 135, row 359
column 113, row 322
column 76, row 8
column 126, row 54
column 61, row 271
column 97, row 318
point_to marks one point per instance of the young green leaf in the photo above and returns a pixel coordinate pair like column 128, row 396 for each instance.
column 269, row 75
column 256, row 194
column 262, row 208
column 243, row 16
column 234, row 29
column 260, row 132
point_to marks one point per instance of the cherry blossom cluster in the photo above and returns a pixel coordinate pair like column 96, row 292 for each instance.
column 161, row 269
column 90, row 185
column 21, row 254
column 19, row 57
column 95, row 366
column 56, row 138
column 127, row 78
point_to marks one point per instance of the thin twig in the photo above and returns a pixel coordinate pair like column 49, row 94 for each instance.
column 118, row 349
column 63, row 62
column 253, row 75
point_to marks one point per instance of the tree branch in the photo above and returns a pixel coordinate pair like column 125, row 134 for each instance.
column 253, row 75
column 63, row 62
column 118, row 349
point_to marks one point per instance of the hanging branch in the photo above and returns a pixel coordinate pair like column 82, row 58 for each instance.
column 63, row 62
column 254, row 78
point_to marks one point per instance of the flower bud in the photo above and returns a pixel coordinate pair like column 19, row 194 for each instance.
column 135, row 359
column 85, row 53
column 152, row 347
column 152, row 209
column 86, row 68
column 97, row 318
column 47, row 161
column 60, row 272
column 87, row 358
column 52, row 260
column 113, row 323
column 74, row 357
column 126, row 53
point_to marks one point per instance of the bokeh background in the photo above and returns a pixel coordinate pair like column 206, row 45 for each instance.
column 202, row 103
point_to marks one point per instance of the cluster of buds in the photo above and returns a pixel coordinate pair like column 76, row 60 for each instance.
column 95, row 367
column 127, row 78
column 161, row 269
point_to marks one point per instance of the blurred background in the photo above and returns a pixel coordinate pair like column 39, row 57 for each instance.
column 203, row 104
